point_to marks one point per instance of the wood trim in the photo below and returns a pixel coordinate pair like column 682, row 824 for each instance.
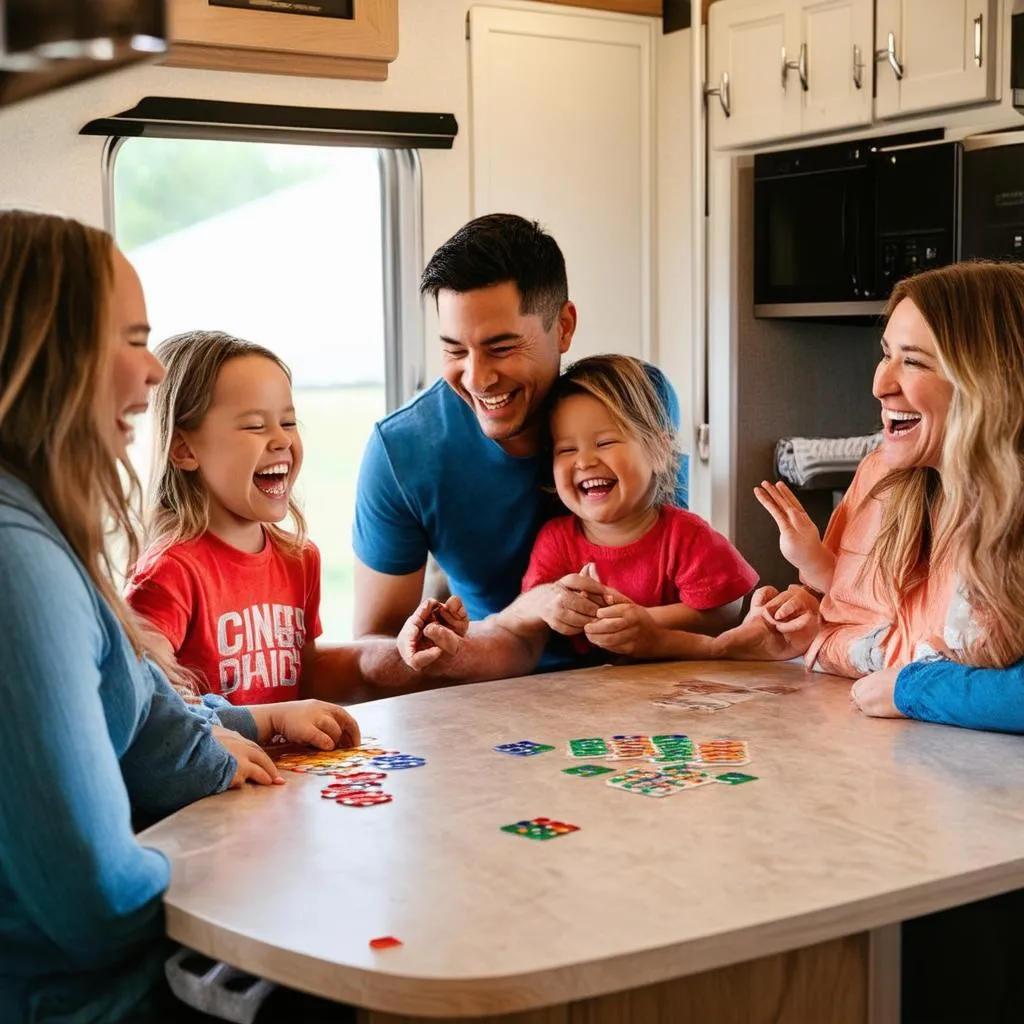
column 273, row 62
column 884, row 975
column 826, row 982
column 650, row 8
column 371, row 35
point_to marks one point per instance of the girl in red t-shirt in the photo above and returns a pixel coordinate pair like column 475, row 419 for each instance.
column 626, row 571
column 235, row 594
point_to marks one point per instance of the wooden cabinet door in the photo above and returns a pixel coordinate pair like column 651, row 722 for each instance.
column 746, row 40
column 837, row 36
column 239, row 39
column 946, row 50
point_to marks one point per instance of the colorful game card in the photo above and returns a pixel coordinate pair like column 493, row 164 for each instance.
column 681, row 702
column 522, row 748
column 630, row 748
column 735, row 778
column 587, row 748
column 723, row 753
column 587, row 770
column 540, row 828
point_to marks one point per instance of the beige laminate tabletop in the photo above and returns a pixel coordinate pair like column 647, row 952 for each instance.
column 853, row 823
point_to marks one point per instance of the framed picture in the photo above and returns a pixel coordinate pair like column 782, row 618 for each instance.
column 317, row 8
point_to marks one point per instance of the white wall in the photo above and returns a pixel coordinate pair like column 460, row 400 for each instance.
column 45, row 163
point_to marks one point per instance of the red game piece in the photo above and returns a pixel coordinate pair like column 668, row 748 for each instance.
column 366, row 798
column 385, row 942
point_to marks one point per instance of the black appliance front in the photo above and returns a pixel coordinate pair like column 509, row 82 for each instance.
column 993, row 197
column 813, row 227
column 918, row 188
column 836, row 226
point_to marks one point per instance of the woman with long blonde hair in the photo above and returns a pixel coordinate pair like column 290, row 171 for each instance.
column 923, row 562
column 91, row 731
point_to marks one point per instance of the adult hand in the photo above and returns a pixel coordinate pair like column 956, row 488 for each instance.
column 795, row 610
column 760, row 637
column 314, row 723
column 567, row 605
column 254, row 763
column 799, row 540
column 432, row 635
column 624, row 628
column 874, row 694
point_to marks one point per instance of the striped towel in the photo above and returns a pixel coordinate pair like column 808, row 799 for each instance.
column 799, row 460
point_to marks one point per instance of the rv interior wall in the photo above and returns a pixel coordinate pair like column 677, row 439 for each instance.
column 792, row 379
column 44, row 163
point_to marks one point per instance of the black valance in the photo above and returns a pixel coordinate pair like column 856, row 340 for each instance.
column 165, row 117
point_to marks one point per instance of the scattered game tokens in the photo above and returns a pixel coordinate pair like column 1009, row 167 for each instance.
column 735, row 778
column 397, row 761
column 540, row 828
column 587, row 770
column 359, row 775
column 523, row 748
column 385, row 942
column 344, row 788
column 365, row 799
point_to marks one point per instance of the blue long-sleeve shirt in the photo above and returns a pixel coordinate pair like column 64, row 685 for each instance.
column 87, row 733
column 954, row 694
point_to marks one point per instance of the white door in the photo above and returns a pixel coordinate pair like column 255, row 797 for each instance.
column 838, row 36
column 562, row 109
column 945, row 49
column 747, row 43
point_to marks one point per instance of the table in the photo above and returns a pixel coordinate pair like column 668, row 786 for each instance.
column 776, row 900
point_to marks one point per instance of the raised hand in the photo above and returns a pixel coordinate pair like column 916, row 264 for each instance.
column 799, row 540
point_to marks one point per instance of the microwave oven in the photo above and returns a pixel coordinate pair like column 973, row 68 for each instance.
column 836, row 226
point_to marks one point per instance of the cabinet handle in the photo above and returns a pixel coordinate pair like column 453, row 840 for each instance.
column 799, row 66
column 722, row 92
column 889, row 54
column 858, row 68
column 977, row 40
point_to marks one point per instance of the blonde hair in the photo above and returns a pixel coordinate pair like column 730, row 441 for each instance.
column 971, row 511
column 621, row 385
column 178, row 502
column 56, row 285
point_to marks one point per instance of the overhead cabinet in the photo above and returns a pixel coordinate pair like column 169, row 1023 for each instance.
column 934, row 54
column 779, row 69
column 782, row 68
column 245, row 38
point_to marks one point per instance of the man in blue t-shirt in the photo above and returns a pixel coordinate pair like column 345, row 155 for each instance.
column 458, row 471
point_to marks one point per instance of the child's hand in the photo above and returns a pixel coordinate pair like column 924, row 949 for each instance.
column 314, row 723
column 799, row 540
column 623, row 628
column 432, row 635
column 254, row 764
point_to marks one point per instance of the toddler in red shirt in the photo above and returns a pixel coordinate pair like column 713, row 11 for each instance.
column 235, row 595
column 626, row 571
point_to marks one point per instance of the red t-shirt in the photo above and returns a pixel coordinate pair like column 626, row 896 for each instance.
column 238, row 619
column 678, row 560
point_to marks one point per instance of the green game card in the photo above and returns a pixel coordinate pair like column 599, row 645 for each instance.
column 735, row 778
column 587, row 770
column 591, row 747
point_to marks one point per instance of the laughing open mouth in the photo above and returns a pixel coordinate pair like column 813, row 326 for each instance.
column 273, row 481
column 899, row 422
column 596, row 487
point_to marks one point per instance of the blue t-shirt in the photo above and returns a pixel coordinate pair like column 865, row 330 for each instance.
column 431, row 481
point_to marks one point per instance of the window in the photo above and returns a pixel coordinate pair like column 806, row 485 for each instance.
column 282, row 245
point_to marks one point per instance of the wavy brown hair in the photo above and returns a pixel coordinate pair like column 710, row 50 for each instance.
column 621, row 385
column 178, row 505
column 972, row 509
column 56, row 283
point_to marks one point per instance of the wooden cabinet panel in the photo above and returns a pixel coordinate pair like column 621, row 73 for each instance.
column 945, row 49
column 269, row 41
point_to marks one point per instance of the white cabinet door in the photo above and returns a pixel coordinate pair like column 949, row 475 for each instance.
column 746, row 41
column 945, row 50
column 562, row 112
column 836, row 36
